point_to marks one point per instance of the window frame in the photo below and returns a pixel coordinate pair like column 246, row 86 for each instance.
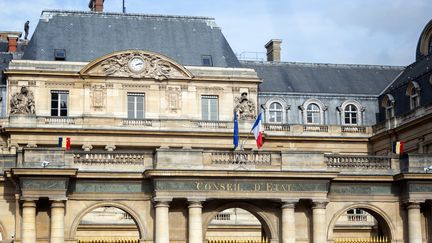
column 275, row 111
column 57, row 111
column 315, row 114
column 135, row 105
column 413, row 92
column 209, row 107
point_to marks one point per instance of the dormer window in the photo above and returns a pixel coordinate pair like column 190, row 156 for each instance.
column 413, row 92
column 388, row 105
column 313, row 114
column 350, row 115
column 275, row 112
column 430, row 46
column 207, row 60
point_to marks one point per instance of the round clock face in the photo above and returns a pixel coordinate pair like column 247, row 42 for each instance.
column 136, row 64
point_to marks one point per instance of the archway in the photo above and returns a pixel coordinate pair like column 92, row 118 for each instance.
column 361, row 223
column 236, row 224
column 107, row 224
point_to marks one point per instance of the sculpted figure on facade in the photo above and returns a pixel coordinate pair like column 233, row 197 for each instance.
column 22, row 103
column 244, row 107
column 138, row 65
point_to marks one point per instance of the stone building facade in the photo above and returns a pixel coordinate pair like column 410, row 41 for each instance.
column 149, row 108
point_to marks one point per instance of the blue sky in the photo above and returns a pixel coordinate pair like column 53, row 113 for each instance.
column 327, row 31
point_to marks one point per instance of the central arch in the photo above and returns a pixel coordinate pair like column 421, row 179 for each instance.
column 376, row 212
column 268, row 228
column 132, row 213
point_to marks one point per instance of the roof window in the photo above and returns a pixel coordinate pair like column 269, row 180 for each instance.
column 207, row 60
column 60, row 54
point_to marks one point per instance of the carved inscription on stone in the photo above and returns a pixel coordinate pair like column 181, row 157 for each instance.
column 244, row 107
column 240, row 186
column 22, row 103
column 138, row 65
column 110, row 187
column 362, row 189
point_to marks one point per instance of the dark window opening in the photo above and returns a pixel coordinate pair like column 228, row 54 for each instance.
column 60, row 54
column 207, row 60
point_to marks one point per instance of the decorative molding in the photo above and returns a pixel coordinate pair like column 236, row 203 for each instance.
column 362, row 189
column 98, row 97
column 43, row 184
column 110, row 187
column 59, row 84
column 173, row 96
column 122, row 64
column 134, row 86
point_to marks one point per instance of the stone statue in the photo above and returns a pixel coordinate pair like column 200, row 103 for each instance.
column 22, row 103
column 26, row 29
column 244, row 107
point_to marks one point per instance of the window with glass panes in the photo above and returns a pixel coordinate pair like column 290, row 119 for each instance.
column 350, row 114
column 275, row 113
column 389, row 110
column 414, row 98
column 313, row 114
column 59, row 103
column 135, row 105
column 209, row 107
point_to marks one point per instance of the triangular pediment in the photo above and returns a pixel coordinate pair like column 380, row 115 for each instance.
column 136, row 64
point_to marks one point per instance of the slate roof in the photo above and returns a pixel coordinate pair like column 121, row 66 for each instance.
column 412, row 72
column 5, row 58
column 89, row 35
column 323, row 78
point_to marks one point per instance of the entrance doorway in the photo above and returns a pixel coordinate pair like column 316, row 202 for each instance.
column 235, row 225
column 107, row 224
column 358, row 225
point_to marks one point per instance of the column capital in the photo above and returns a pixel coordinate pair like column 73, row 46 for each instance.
column 57, row 204
column 319, row 204
column 289, row 204
column 162, row 202
column 413, row 205
column 195, row 204
column 29, row 203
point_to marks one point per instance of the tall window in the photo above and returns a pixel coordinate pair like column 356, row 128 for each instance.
column 275, row 113
column 414, row 98
column 313, row 114
column 59, row 103
column 209, row 107
column 135, row 105
column 350, row 114
column 389, row 109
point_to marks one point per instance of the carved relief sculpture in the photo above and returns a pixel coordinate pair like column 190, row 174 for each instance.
column 22, row 103
column 139, row 65
column 244, row 107
column 173, row 96
column 98, row 95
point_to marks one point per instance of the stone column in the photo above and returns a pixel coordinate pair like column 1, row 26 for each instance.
column 195, row 222
column 414, row 223
column 319, row 233
column 28, row 230
column 162, row 222
column 288, row 223
column 57, row 222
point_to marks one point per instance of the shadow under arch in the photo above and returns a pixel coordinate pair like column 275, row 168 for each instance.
column 3, row 233
column 379, row 214
column 132, row 213
column 256, row 211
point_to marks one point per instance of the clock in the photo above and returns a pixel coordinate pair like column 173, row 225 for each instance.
column 136, row 64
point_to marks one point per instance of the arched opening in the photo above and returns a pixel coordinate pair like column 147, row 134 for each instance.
column 236, row 225
column 107, row 224
column 361, row 224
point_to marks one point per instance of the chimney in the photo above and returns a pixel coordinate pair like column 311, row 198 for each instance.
column 96, row 5
column 273, row 50
column 12, row 42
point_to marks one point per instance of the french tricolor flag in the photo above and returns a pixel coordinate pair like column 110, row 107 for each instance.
column 256, row 129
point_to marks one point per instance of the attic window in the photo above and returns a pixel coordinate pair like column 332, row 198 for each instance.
column 60, row 54
column 207, row 60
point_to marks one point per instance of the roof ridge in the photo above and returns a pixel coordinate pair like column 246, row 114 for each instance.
column 78, row 12
column 311, row 64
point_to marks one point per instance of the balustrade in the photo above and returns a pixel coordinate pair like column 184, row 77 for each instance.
column 212, row 124
column 137, row 122
column 353, row 129
column 358, row 161
column 247, row 158
column 357, row 217
column 315, row 128
column 263, row 240
column 109, row 158
column 374, row 239
column 59, row 120
column 110, row 240
column 277, row 127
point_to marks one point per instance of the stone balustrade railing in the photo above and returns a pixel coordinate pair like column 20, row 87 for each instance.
column 315, row 128
column 357, row 161
column 84, row 122
column 108, row 158
column 237, row 158
column 353, row 129
column 357, row 217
